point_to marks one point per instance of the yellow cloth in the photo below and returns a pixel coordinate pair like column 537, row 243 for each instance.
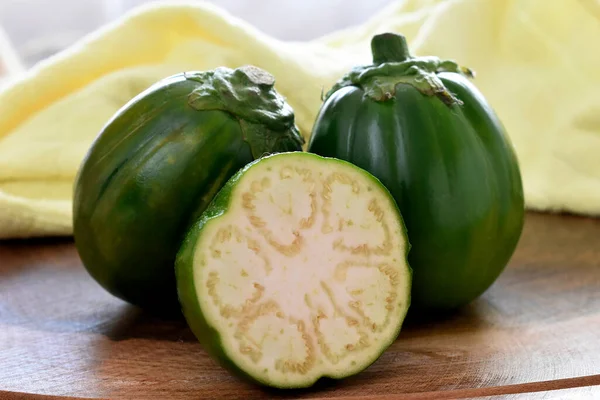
column 536, row 62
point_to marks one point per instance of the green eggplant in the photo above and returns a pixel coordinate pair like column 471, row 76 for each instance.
column 296, row 271
column 420, row 126
column 157, row 164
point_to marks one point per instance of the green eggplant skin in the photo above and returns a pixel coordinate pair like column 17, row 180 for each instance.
column 452, row 171
column 152, row 171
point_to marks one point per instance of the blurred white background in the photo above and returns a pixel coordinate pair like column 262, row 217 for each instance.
column 39, row 28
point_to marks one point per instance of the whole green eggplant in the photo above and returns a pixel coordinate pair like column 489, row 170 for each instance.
column 158, row 163
column 421, row 127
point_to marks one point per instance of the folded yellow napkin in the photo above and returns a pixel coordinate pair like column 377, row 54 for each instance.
column 536, row 62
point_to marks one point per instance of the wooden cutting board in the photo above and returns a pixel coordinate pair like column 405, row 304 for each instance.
column 537, row 329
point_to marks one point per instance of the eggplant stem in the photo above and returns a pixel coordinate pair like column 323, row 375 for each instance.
column 389, row 47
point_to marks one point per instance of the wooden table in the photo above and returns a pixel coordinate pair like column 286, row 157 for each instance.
column 537, row 330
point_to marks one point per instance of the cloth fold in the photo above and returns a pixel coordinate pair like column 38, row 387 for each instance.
column 9, row 62
column 534, row 63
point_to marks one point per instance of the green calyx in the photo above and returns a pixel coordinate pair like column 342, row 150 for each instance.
column 248, row 93
column 393, row 65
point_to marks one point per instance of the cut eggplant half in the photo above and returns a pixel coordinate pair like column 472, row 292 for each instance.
column 296, row 271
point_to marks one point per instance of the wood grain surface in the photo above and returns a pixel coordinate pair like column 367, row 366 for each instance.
column 535, row 332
